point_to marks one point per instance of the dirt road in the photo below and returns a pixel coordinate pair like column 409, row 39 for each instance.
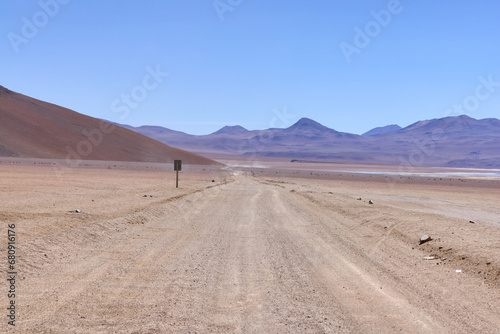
column 249, row 256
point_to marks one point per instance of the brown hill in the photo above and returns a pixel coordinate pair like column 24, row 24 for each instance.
column 30, row 128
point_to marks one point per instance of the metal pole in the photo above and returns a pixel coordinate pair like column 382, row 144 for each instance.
column 177, row 178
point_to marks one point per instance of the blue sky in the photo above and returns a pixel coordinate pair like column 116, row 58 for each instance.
column 197, row 65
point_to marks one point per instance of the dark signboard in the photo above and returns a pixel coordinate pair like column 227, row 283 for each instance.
column 177, row 165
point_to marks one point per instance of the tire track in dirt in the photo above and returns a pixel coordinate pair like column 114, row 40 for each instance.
column 78, row 280
column 343, row 226
column 358, row 293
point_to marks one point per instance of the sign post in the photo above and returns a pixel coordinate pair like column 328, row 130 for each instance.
column 177, row 168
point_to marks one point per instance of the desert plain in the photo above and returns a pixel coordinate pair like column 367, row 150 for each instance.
column 252, row 248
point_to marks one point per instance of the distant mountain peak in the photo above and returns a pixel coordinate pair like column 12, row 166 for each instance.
column 304, row 121
column 460, row 118
column 306, row 124
column 231, row 129
column 382, row 130
column 450, row 123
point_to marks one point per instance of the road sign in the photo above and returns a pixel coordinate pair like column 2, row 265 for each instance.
column 177, row 168
column 177, row 165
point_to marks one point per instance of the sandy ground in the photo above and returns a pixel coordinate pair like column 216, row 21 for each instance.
column 256, row 251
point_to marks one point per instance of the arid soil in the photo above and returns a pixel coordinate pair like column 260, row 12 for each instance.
column 248, row 250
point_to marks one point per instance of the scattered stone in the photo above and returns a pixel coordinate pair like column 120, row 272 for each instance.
column 144, row 195
column 430, row 258
column 370, row 202
column 359, row 199
column 75, row 211
column 425, row 238
column 472, row 222
column 443, row 259
column 213, row 180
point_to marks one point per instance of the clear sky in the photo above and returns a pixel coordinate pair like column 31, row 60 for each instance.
column 196, row 65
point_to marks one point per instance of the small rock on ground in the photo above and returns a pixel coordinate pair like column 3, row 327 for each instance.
column 425, row 238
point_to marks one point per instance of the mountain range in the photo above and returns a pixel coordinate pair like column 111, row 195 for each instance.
column 459, row 141
column 35, row 129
